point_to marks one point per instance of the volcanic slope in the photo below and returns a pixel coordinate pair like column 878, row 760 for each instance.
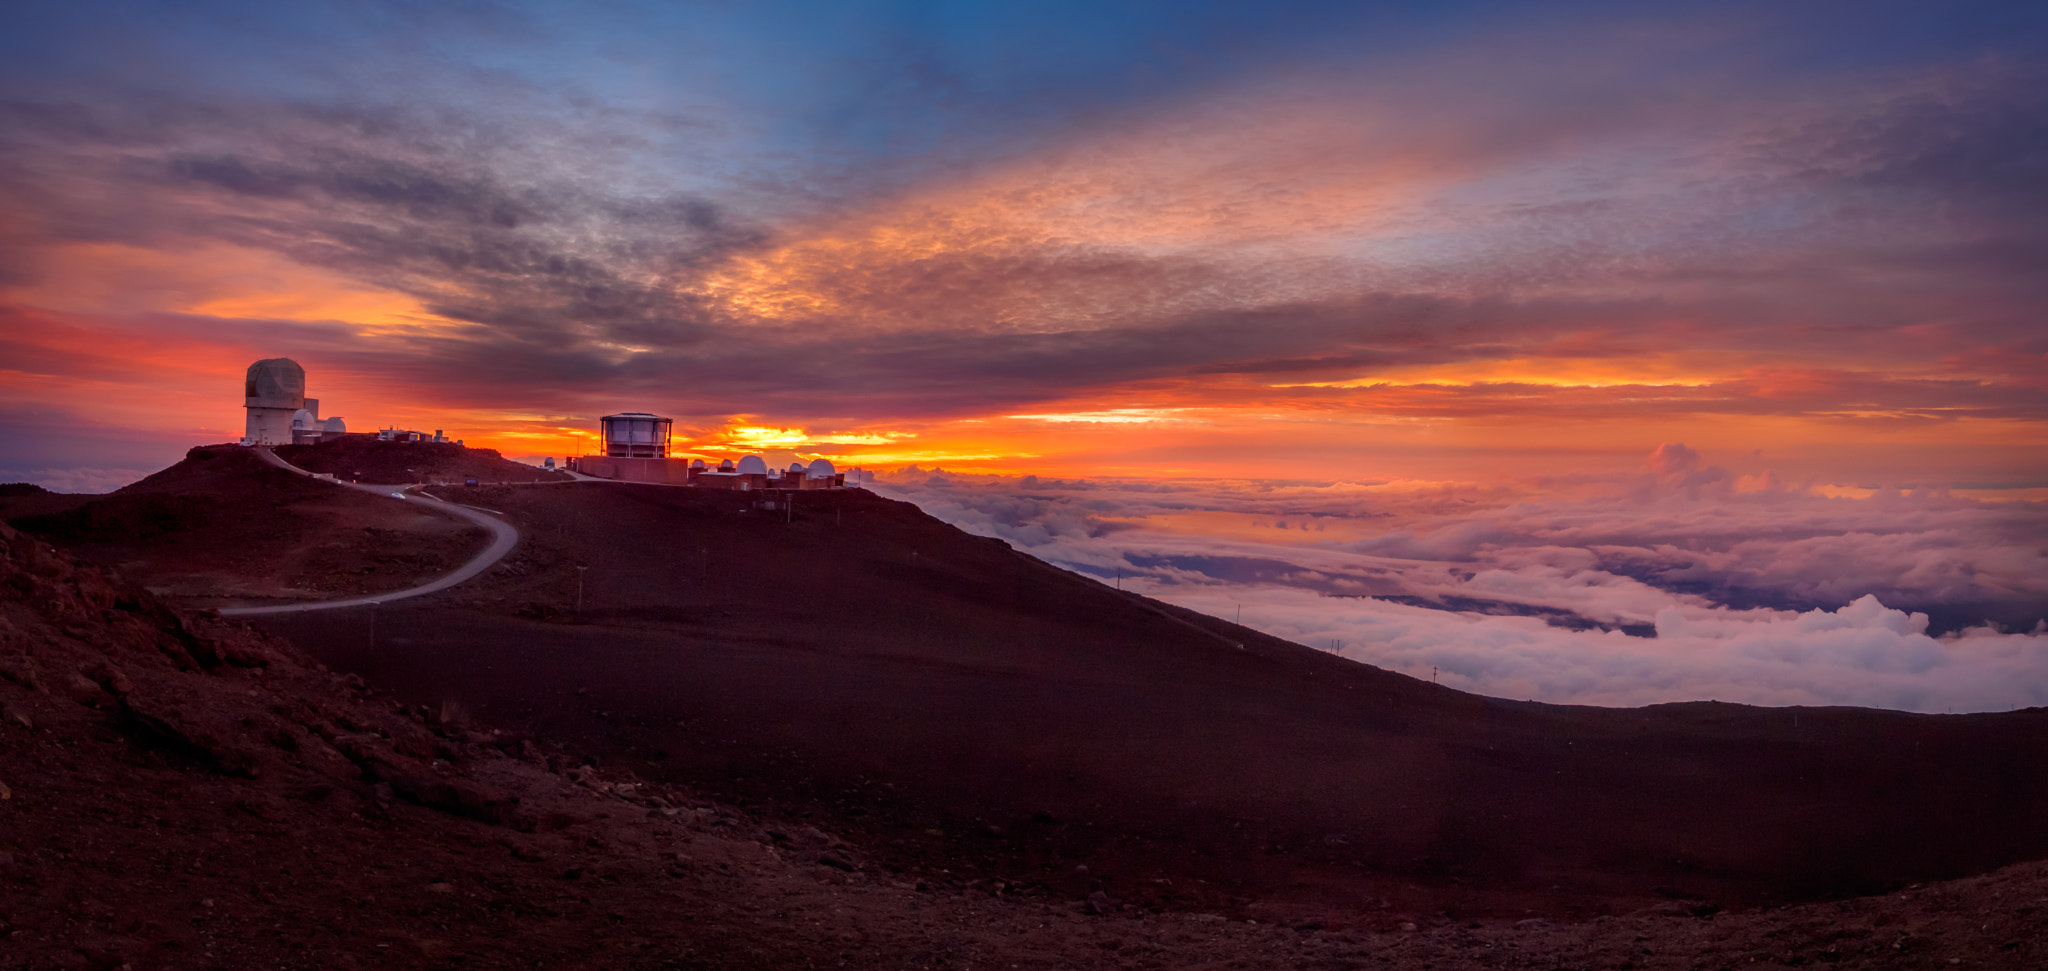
column 363, row 458
column 223, row 526
column 19, row 500
column 953, row 699
column 179, row 792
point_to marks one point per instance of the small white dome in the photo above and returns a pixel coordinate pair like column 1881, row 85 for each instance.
column 303, row 420
column 821, row 469
column 725, row 466
column 335, row 426
column 753, row 465
column 697, row 464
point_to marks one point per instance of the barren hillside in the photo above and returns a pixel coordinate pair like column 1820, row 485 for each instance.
column 362, row 458
column 222, row 526
column 950, row 698
column 176, row 792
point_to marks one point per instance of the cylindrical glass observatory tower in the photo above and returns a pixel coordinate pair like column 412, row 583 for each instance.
column 635, row 435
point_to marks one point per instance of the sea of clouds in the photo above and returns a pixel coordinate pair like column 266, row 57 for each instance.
column 1681, row 583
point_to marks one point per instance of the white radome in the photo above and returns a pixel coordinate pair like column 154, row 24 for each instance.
column 753, row 465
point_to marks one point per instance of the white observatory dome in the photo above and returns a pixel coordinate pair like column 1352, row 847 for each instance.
column 697, row 464
column 277, row 382
column 796, row 467
column 334, row 426
column 753, row 465
column 821, row 469
column 303, row 421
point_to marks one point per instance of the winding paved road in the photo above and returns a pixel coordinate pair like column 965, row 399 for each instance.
column 503, row 538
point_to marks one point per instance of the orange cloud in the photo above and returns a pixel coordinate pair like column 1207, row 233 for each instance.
column 212, row 279
column 1077, row 234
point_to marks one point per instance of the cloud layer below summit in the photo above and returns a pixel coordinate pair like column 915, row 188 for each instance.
column 1677, row 583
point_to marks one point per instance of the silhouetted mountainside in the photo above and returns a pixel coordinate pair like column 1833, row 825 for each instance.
column 180, row 792
column 19, row 499
column 362, row 458
column 952, row 699
column 223, row 525
column 176, row 791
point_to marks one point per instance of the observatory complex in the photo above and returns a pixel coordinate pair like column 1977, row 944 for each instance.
column 636, row 449
column 279, row 411
column 281, row 414
column 636, row 443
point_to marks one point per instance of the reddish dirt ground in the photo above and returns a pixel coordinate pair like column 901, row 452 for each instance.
column 224, row 527
column 22, row 499
column 179, row 792
column 362, row 458
column 940, row 697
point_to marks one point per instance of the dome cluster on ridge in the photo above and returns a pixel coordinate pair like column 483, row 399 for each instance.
column 637, row 448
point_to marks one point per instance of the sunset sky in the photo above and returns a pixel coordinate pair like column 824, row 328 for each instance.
column 1513, row 249
column 1455, row 240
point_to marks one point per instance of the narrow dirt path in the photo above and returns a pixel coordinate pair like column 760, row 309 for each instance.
column 503, row 539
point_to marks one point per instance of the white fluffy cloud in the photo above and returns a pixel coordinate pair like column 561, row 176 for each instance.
column 1861, row 654
column 1679, row 584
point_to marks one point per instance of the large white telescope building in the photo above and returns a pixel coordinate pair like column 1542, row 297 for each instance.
column 279, row 411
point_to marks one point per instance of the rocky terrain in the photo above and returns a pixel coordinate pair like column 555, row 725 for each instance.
column 224, row 527
column 362, row 458
column 180, row 792
column 854, row 659
column 847, row 735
